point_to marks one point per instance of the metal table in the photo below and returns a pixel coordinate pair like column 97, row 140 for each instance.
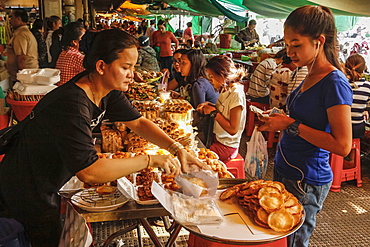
column 131, row 211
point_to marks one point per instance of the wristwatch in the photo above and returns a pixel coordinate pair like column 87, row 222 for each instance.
column 292, row 129
column 213, row 113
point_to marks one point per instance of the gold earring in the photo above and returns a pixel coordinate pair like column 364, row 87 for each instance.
column 101, row 73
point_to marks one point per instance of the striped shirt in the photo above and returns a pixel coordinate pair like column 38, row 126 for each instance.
column 361, row 97
column 259, row 85
column 298, row 75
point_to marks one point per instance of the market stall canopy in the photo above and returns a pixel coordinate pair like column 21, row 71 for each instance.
column 106, row 5
column 129, row 8
column 233, row 9
column 282, row 8
column 236, row 9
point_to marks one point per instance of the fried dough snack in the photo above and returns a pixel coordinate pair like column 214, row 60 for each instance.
column 267, row 203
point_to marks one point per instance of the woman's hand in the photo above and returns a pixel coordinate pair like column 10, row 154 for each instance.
column 275, row 122
column 187, row 160
column 169, row 164
column 166, row 73
column 206, row 108
column 138, row 77
column 175, row 95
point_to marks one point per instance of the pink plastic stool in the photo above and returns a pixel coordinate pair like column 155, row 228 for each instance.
column 236, row 166
column 195, row 241
column 340, row 174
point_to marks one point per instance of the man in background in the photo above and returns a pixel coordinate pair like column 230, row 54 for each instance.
column 248, row 36
column 22, row 48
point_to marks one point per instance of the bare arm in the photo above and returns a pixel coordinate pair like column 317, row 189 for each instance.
column 338, row 141
column 230, row 126
column 106, row 170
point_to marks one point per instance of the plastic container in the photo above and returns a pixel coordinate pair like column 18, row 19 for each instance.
column 32, row 89
column 225, row 40
column 39, row 76
column 21, row 109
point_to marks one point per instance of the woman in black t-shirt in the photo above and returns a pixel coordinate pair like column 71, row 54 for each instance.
column 57, row 143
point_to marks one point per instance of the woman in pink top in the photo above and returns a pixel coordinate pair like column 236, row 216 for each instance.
column 163, row 39
column 188, row 35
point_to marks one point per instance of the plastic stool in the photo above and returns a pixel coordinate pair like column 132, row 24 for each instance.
column 251, row 116
column 236, row 166
column 195, row 241
column 12, row 233
column 340, row 174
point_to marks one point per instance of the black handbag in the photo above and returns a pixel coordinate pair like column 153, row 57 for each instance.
column 204, row 124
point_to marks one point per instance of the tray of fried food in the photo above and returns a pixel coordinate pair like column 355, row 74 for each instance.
column 177, row 106
column 142, row 182
column 268, row 204
column 169, row 182
column 205, row 153
column 122, row 155
column 219, row 167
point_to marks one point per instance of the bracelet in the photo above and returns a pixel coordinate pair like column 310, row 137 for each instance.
column 148, row 165
column 174, row 147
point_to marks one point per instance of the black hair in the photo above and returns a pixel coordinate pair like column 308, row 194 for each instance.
column 21, row 13
column 50, row 21
column 313, row 21
column 106, row 46
column 161, row 22
column 198, row 65
column 37, row 24
column 181, row 51
column 252, row 22
column 286, row 59
column 280, row 54
column 152, row 22
column 144, row 41
column 224, row 66
column 72, row 31
column 189, row 24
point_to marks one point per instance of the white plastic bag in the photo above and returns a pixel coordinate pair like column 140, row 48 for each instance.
column 256, row 158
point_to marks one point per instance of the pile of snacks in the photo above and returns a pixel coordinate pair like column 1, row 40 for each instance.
column 211, row 159
column 113, row 135
column 111, row 139
column 177, row 110
column 149, row 109
column 148, row 75
column 142, row 91
column 219, row 167
column 267, row 203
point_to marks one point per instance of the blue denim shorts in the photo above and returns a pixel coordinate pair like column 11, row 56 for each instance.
column 312, row 198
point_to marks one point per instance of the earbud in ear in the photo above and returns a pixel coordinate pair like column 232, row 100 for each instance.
column 318, row 43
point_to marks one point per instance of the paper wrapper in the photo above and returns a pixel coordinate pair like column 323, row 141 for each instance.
column 190, row 189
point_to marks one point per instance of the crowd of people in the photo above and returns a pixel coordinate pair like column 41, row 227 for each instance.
column 306, row 80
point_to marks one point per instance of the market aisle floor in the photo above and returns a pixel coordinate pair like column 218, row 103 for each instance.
column 343, row 222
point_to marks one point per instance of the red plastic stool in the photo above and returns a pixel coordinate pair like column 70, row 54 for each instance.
column 252, row 120
column 340, row 174
column 236, row 166
column 195, row 241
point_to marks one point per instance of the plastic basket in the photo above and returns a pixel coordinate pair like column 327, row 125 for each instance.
column 21, row 109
